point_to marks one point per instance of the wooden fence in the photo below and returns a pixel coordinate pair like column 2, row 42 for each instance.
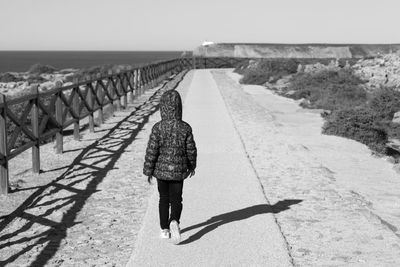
column 47, row 114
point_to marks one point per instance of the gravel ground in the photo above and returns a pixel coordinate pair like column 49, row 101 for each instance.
column 331, row 225
column 86, row 206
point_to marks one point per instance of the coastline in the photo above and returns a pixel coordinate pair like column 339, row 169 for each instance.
column 20, row 61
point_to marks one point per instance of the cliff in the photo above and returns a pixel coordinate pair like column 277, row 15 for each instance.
column 295, row 50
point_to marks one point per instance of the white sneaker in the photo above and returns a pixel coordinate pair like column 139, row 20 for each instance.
column 175, row 232
column 164, row 233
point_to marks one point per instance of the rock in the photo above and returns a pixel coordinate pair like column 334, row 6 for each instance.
column 300, row 68
column 68, row 83
column 396, row 117
column 11, row 85
column 24, row 85
column 47, row 86
column 305, row 103
column 58, row 83
column 325, row 113
column 384, row 70
column 290, row 93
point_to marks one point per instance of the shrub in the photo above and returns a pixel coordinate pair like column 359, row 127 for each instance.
column 267, row 69
column 35, row 78
column 8, row 77
column 92, row 71
column 40, row 68
column 359, row 124
column 385, row 102
column 371, row 123
column 264, row 69
column 329, row 89
column 242, row 66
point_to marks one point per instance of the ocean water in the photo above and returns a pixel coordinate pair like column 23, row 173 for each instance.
column 20, row 61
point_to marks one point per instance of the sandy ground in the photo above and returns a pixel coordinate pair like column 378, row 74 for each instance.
column 349, row 210
column 86, row 206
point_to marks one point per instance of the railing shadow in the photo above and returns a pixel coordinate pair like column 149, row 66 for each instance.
column 105, row 151
column 237, row 215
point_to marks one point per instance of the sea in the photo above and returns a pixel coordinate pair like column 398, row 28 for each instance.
column 20, row 61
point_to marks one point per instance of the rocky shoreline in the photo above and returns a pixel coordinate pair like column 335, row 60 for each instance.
column 14, row 84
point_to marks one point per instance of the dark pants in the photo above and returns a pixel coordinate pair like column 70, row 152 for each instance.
column 170, row 193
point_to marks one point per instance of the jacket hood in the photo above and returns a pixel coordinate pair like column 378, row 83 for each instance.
column 171, row 106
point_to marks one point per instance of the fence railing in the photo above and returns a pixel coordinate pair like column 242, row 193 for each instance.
column 29, row 121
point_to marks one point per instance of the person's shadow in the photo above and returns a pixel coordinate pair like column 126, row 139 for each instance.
column 237, row 215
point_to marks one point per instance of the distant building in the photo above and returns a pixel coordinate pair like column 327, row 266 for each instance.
column 206, row 43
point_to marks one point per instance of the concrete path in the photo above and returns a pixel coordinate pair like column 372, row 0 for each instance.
column 226, row 219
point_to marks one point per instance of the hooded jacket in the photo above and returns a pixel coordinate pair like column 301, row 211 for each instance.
column 171, row 151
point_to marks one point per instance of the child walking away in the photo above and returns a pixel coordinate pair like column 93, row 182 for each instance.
column 171, row 158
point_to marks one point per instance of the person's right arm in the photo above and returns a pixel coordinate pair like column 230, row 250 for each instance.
column 152, row 152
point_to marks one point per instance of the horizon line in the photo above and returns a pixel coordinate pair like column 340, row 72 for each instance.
column 85, row 50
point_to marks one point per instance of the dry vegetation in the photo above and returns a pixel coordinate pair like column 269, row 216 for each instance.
column 352, row 109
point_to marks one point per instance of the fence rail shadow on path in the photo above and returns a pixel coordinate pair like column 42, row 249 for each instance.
column 102, row 155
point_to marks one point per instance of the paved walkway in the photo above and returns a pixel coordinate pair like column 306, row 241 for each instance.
column 226, row 219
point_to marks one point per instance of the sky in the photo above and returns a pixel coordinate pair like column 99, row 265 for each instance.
column 184, row 24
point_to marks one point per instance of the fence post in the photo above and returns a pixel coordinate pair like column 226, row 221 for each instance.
column 146, row 79
column 100, row 96
column 111, row 92
column 144, row 83
column 89, row 97
column 117, row 90
column 124, row 86
column 35, row 131
column 153, row 76
column 4, row 183
column 75, row 106
column 59, row 134
column 159, row 74
column 193, row 62
column 141, row 79
column 137, row 82
column 131, row 76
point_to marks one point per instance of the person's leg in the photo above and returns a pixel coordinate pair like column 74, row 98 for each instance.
column 163, row 205
column 175, row 198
